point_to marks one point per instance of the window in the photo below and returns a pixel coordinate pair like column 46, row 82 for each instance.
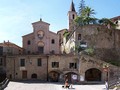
column 52, row 52
column 22, row 62
column 1, row 61
column 73, row 65
column 55, row 64
column 73, row 16
column 79, row 36
column 29, row 52
column 28, row 42
column 1, row 50
column 40, row 47
column 53, row 41
column 39, row 62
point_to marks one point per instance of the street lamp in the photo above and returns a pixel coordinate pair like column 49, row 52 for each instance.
column 106, row 69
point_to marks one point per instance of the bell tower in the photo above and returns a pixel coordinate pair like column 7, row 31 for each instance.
column 72, row 14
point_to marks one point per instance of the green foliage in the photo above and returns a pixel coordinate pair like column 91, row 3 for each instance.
column 114, row 62
column 106, row 22
column 88, row 12
column 89, row 51
column 76, row 48
column 66, row 34
column 79, row 21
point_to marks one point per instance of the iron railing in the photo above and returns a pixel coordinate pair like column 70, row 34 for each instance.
column 4, row 84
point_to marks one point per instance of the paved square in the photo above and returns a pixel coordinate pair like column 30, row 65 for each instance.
column 48, row 86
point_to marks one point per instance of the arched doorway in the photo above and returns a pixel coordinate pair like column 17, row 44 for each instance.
column 93, row 75
column 34, row 76
column 54, row 76
column 70, row 77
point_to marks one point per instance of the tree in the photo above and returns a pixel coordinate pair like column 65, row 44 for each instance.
column 86, row 17
column 81, row 7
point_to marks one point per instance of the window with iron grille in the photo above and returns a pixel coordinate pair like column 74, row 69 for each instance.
column 39, row 62
column 22, row 62
column 55, row 64
column 73, row 65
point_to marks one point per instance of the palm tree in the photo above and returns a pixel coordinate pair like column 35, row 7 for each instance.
column 88, row 12
column 86, row 17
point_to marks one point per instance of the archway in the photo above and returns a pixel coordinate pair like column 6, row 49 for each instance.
column 54, row 76
column 70, row 77
column 34, row 76
column 93, row 75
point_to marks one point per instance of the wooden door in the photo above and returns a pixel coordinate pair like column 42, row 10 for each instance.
column 24, row 74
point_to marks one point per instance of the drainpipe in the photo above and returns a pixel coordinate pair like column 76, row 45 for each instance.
column 47, row 67
column 14, row 68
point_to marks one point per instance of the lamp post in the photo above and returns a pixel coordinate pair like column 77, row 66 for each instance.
column 106, row 69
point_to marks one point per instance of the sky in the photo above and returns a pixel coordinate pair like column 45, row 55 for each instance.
column 16, row 16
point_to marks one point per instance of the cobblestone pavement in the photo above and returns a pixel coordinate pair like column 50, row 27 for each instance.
column 48, row 86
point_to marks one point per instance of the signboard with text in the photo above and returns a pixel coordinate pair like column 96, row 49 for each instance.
column 74, row 77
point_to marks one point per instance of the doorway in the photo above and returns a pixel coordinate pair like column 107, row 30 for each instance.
column 34, row 76
column 24, row 74
column 93, row 75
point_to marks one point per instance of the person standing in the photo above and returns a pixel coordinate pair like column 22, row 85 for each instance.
column 106, row 85
column 66, row 82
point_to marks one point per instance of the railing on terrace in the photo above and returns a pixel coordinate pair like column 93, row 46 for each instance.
column 4, row 84
column 68, row 69
column 114, row 83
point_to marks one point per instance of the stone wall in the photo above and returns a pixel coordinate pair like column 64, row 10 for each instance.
column 104, row 41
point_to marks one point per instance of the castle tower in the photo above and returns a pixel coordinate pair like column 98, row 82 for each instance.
column 71, row 16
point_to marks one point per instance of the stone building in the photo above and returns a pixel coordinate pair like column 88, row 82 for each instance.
column 116, row 20
column 61, row 65
column 7, row 48
column 48, row 56
column 61, row 39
